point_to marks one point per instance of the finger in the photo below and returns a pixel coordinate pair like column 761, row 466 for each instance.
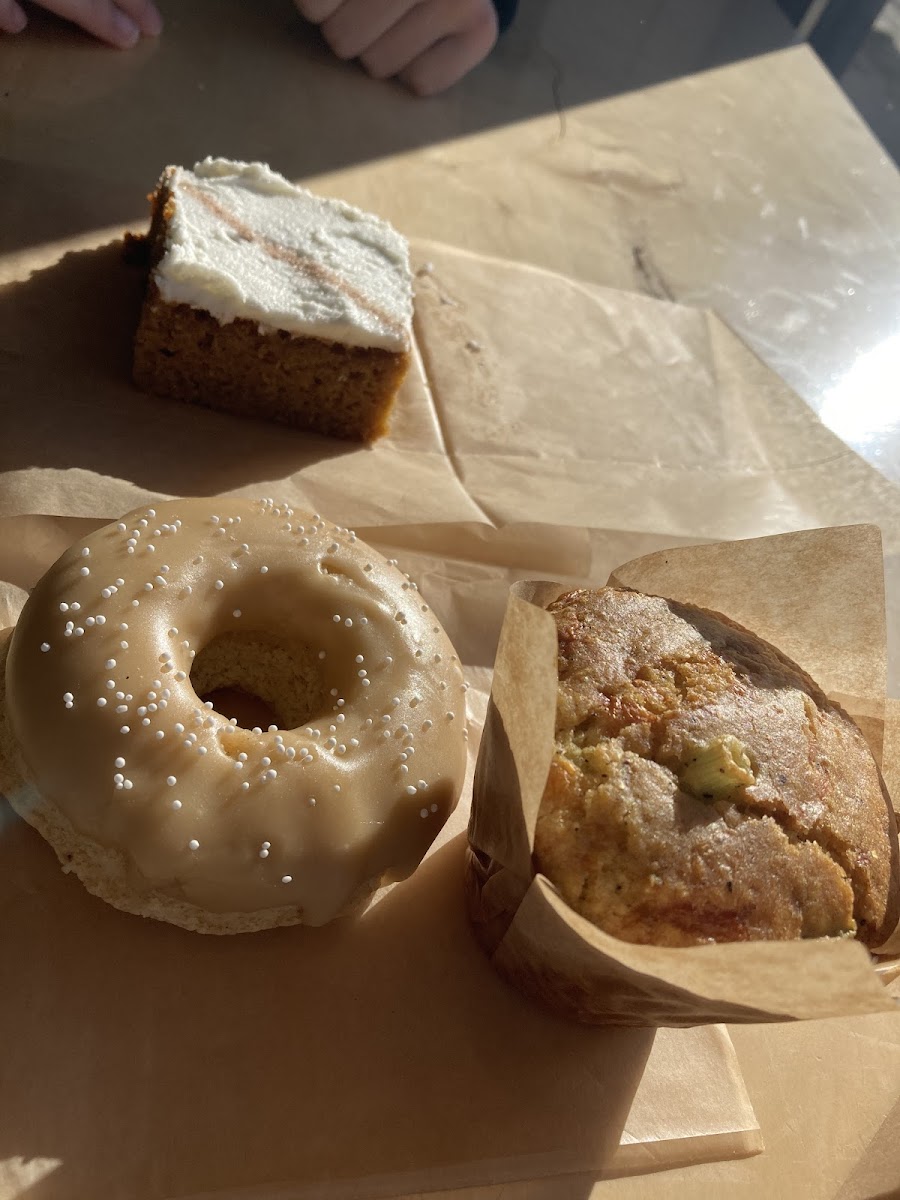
column 421, row 27
column 447, row 62
column 317, row 11
column 102, row 18
column 357, row 24
column 12, row 17
column 145, row 15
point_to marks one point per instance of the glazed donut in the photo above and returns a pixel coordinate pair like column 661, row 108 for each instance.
column 127, row 758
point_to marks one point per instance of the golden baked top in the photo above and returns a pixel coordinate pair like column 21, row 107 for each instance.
column 703, row 787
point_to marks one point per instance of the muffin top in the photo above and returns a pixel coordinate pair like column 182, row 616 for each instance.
column 703, row 787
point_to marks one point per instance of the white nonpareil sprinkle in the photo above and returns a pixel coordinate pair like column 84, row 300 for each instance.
column 90, row 621
column 423, row 812
column 110, row 663
column 336, row 618
column 101, row 620
column 193, row 844
column 171, row 780
column 120, row 762
column 411, row 789
column 85, row 571
column 434, row 808
column 311, row 802
column 219, row 584
column 263, row 570
column 287, row 879
column 264, row 853
column 236, row 613
column 45, row 646
column 125, row 729
column 176, row 804
column 101, row 702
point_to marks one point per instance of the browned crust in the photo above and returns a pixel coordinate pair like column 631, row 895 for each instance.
column 805, row 851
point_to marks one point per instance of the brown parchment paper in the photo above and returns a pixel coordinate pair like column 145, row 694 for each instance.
column 622, row 413
column 362, row 1059
column 819, row 595
column 634, row 424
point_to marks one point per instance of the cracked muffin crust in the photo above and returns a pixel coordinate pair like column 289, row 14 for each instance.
column 703, row 787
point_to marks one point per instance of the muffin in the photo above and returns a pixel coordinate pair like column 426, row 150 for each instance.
column 703, row 788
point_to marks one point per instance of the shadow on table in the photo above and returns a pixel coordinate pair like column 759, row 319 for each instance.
column 252, row 81
column 146, row 1061
column 66, row 336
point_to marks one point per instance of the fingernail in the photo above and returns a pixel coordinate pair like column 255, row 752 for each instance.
column 152, row 23
column 126, row 32
column 17, row 21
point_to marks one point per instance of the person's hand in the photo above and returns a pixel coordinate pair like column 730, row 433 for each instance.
column 429, row 44
column 121, row 24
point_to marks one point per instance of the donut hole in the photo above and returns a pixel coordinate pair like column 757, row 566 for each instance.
column 259, row 680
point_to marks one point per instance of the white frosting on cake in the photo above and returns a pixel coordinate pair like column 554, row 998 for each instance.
column 242, row 241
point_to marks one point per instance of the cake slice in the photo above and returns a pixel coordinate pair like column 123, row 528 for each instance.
column 268, row 301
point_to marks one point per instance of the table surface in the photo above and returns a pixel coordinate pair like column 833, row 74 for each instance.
column 593, row 144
